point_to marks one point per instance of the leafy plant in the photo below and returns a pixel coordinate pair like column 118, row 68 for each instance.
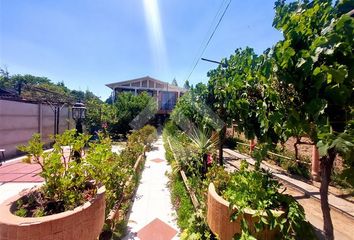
column 315, row 61
column 197, row 228
column 34, row 149
column 126, row 107
column 67, row 184
column 258, row 191
column 219, row 177
column 181, row 201
column 203, row 140
column 21, row 212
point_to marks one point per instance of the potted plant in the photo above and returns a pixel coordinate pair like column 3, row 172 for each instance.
column 249, row 205
column 70, row 204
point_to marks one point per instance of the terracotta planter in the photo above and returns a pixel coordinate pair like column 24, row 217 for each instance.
column 218, row 218
column 84, row 222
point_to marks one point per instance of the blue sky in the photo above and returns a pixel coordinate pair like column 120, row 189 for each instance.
column 89, row 43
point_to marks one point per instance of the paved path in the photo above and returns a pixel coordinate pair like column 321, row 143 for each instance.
column 16, row 176
column 17, row 171
column 309, row 200
column 152, row 215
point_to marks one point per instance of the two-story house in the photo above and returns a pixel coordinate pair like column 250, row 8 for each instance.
column 165, row 93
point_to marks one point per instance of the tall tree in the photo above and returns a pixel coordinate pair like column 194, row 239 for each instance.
column 186, row 85
column 174, row 82
column 315, row 61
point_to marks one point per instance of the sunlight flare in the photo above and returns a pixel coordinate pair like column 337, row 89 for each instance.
column 156, row 36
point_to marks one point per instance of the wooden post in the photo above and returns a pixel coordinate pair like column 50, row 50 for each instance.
column 252, row 146
column 315, row 164
column 40, row 119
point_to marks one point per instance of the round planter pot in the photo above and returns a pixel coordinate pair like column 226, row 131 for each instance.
column 82, row 223
column 218, row 218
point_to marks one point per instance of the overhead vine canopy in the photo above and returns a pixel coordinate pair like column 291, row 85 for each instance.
column 39, row 89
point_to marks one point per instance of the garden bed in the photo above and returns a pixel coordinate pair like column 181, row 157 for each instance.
column 83, row 222
column 219, row 215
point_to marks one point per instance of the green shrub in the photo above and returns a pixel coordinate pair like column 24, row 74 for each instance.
column 34, row 149
column 295, row 168
column 219, row 177
column 148, row 134
column 181, row 201
column 70, row 183
column 198, row 228
column 259, row 191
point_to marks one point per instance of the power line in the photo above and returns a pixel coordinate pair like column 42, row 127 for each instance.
column 211, row 36
column 207, row 34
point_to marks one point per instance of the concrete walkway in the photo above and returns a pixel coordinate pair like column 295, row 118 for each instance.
column 152, row 215
column 16, row 176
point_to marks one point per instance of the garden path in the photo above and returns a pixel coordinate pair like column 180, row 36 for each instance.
column 16, row 176
column 152, row 215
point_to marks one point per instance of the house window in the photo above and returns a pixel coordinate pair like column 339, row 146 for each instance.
column 168, row 100
column 136, row 84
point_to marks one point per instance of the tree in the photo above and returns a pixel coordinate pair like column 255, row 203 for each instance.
column 174, row 82
column 126, row 108
column 98, row 113
column 186, row 85
column 5, row 81
column 218, row 99
column 192, row 109
column 316, row 62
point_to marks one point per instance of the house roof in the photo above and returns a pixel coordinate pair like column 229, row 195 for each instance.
column 165, row 85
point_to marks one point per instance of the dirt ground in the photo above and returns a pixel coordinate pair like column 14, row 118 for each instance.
column 312, row 207
column 305, row 151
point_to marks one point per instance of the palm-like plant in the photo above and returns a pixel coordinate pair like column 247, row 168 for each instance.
column 205, row 142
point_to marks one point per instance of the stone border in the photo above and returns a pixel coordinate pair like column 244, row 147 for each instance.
column 218, row 218
column 82, row 223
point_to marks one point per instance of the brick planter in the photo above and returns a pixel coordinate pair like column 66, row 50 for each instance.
column 84, row 222
column 218, row 218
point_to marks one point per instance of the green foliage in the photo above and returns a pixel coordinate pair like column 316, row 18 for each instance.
column 148, row 135
column 192, row 110
column 296, row 168
column 67, row 183
column 98, row 113
column 137, row 140
column 252, row 189
column 70, row 183
column 41, row 88
column 181, row 201
column 258, row 191
column 197, row 228
column 109, row 169
column 126, row 108
column 219, row 177
column 302, row 86
column 320, row 72
column 186, row 85
column 203, row 140
column 21, row 212
column 34, row 149
column 174, row 82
